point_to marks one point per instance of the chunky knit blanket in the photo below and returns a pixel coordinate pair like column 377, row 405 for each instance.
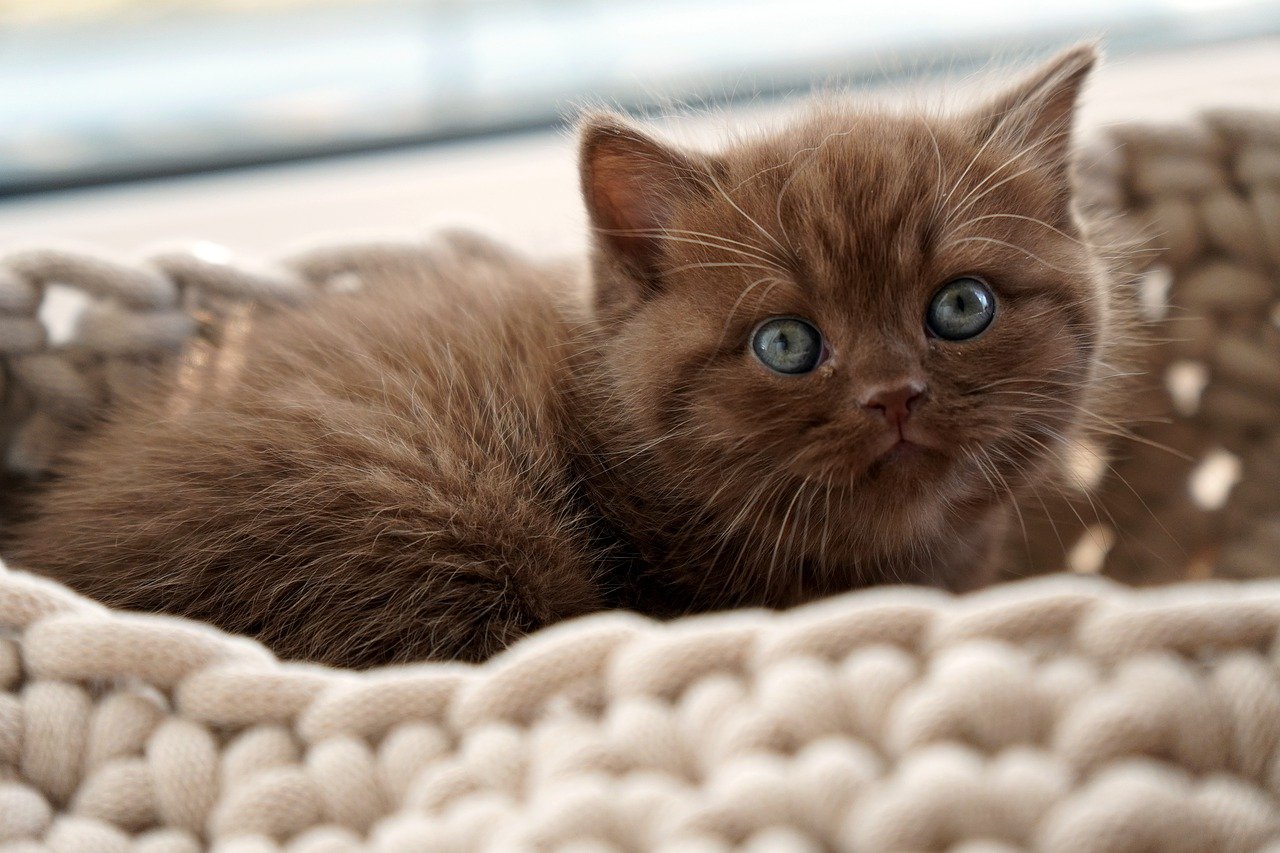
column 1065, row 713
column 1062, row 714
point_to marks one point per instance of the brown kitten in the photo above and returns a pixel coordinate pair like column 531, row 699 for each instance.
column 813, row 361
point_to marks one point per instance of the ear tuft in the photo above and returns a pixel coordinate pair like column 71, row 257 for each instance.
column 632, row 186
column 1039, row 112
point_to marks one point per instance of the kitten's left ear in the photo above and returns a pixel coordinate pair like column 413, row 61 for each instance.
column 632, row 185
column 1038, row 113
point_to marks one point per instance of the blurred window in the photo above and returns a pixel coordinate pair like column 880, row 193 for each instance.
column 103, row 90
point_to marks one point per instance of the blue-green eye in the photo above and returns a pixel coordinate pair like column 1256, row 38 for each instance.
column 787, row 345
column 962, row 309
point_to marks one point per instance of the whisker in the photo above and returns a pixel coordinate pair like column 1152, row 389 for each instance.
column 964, row 174
column 734, row 310
column 702, row 265
column 1117, row 430
column 1057, row 383
column 812, row 153
column 994, row 241
column 1116, row 526
column 1021, row 218
column 1023, row 151
column 747, row 216
column 700, row 238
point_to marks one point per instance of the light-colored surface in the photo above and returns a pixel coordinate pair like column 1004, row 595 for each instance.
column 1063, row 714
column 523, row 188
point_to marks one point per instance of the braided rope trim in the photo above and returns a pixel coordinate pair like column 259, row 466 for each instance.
column 1062, row 713
column 119, row 318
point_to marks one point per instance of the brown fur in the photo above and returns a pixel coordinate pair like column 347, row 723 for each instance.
column 440, row 464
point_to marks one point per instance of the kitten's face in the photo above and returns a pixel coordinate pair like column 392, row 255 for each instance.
column 896, row 312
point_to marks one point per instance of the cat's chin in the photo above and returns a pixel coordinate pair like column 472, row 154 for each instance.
column 900, row 452
column 900, row 479
column 908, row 468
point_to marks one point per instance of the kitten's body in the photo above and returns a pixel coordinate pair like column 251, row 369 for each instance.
column 381, row 478
column 442, row 463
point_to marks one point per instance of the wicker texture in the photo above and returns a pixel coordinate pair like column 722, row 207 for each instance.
column 1063, row 713
column 1207, row 199
column 129, row 315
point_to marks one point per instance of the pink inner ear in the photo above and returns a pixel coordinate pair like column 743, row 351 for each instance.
column 629, row 206
column 632, row 185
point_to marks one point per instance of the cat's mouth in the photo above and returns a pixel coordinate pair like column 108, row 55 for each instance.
column 907, row 442
column 896, row 457
column 900, row 452
column 903, row 448
column 904, row 452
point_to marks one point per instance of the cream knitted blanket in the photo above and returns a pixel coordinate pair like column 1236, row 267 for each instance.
column 1063, row 713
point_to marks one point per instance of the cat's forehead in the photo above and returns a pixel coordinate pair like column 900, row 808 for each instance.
column 879, row 161
column 862, row 190
column 869, row 195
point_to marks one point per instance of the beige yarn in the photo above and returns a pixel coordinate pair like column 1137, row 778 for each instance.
column 138, row 314
column 1063, row 713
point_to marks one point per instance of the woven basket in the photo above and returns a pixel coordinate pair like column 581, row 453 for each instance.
column 1066, row 713
column 1195, row 492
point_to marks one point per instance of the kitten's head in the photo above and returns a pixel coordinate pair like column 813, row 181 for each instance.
column 898, row 311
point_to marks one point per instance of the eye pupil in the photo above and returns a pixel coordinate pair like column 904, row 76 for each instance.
column 787, row 345
column 961, row 309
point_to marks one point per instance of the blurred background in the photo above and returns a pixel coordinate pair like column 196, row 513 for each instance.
column 261, row 123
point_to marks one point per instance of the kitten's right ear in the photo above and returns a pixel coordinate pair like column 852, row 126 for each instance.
column 1039, row 112
column 632, row 186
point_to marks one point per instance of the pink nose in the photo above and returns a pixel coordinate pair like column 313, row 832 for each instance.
column 895, row 401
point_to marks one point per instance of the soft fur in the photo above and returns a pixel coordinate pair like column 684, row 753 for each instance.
column 444, row 462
